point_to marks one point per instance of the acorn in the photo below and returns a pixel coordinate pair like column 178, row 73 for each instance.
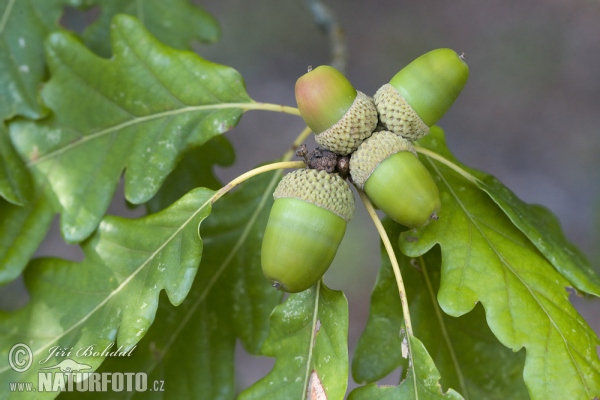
column 387, row 168
column 305, row 228
column 340, row 116
column 421, row 93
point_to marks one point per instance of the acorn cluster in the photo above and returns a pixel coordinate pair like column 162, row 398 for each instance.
column 313, row 205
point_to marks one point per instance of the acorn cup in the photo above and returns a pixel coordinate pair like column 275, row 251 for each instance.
column 305, row 228
column 340, row 116
column 421, row 93
column 387, row 168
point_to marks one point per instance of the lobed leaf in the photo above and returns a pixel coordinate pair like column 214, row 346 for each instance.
column 140, row 110
column 23, row 27
column 308, row 338
column 535, row 221
column 421, row 381
column 487, row 259
column 191, row 347
column 175, row 23
column 112, row 296
column 466, row 353
column 194, row 170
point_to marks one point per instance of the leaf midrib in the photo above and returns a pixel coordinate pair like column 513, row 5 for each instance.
column 138, row 120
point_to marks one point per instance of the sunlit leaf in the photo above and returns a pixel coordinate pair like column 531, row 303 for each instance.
column 176, row 23
column 111, row 296
column 140, row 110
column 487, row 259
column 308, row 338
column 466, row 353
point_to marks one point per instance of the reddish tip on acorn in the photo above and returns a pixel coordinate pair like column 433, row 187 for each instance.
column 323, row 95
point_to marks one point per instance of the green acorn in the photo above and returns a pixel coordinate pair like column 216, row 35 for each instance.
column 340, row 116
column 421, row 93
column 387, row 168
column 305, row 228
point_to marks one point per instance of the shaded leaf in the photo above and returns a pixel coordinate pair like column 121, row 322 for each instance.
column 15, row 182
column 191, row 347
column 308, row 338
column 22, row 229
column 194, row 170
column 466, row 353
column 175, row 23
column 421, row 381
column 139, row 110
column 487, row 259
column 23, row 27
column 111, row 296
column 535, row 221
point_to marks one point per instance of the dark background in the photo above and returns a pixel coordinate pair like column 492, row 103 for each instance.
column 530, row 113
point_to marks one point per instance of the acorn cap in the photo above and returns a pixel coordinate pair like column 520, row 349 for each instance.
column 432, row 82
column 340, row 116
column 352, row 129
column 320, row 188
column 397, row 115
column 373, row 151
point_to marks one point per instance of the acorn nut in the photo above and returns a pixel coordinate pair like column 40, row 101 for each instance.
column 387, row 168
column 340, row 116
column 421, row 93
column 305, row 228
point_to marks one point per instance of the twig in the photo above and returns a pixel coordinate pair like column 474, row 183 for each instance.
column 326, row 21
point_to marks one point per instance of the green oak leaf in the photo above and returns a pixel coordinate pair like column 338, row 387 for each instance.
column 466, row 353
column 421, row 381
column 176, row 23
column 230, row 299
column 487, row 259
column 194, row 170
column 309, row 334
column 15, row 181
column 22, row 229
column 23, row 27
column 535, row 221
column 138, row 111
column 112, row 295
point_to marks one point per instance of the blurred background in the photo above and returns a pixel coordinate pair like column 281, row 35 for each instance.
column 530, row 113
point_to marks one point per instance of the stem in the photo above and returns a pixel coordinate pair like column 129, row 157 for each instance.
column 270, row 107
column 390, row 250
column 447, row 163
column 254, row 172
column 326, row 20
